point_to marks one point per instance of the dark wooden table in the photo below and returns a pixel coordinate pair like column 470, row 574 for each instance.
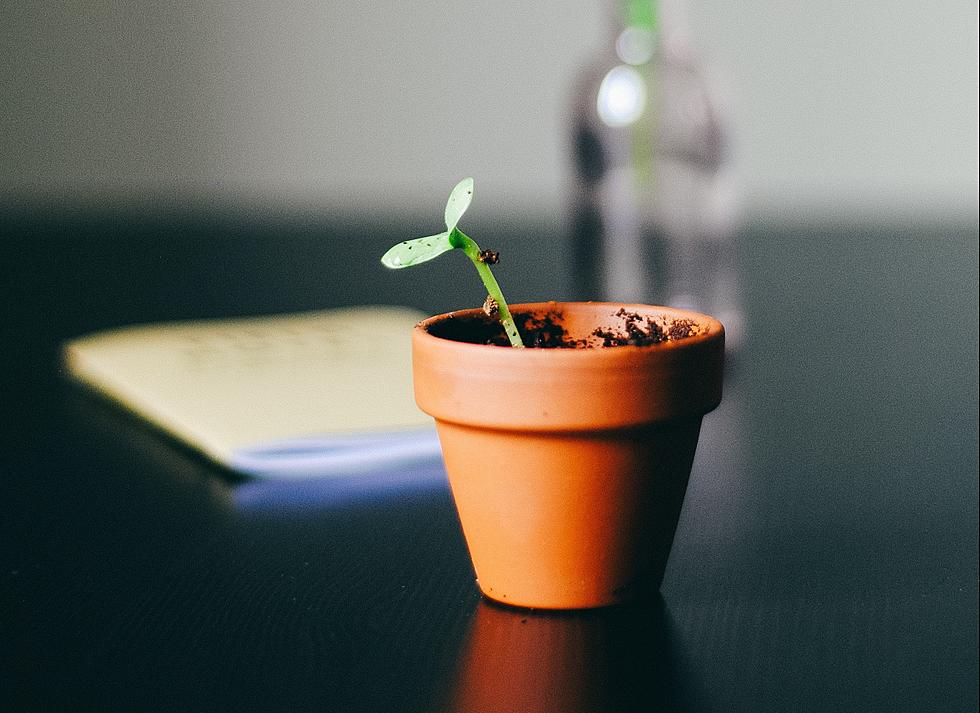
column 826, row 558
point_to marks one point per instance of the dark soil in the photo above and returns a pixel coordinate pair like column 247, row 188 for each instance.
column 489, row 257
column 546, row 331
column 638, row 331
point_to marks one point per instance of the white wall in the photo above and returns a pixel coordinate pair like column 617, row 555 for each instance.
column 871, row 105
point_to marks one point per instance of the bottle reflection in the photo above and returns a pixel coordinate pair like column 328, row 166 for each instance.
column 602, row 660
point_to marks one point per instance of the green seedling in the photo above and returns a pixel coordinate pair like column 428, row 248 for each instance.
column 415, row 252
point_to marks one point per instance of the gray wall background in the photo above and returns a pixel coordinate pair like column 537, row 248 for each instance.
column 867, row 108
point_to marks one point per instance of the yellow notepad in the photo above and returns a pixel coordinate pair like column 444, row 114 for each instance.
column 317, row 393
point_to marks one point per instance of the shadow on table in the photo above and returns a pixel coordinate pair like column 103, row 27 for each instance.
column 610, row 659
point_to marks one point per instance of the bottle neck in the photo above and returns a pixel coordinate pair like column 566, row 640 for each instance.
column 634, row 29
column 641, row 14
column 642, row 28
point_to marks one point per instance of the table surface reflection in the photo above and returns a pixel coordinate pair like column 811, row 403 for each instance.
column 825, row 560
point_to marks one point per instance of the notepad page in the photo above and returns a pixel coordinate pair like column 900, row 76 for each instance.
column 226, row 386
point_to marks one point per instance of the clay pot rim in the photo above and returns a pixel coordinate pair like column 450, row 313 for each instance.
column 715, row 331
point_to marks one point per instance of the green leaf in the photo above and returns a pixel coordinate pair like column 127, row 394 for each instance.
column 413, row 252
column 459, row 201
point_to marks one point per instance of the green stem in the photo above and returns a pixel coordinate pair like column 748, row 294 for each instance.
column 460, row 240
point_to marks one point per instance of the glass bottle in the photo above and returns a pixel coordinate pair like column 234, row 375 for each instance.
column 653, row 209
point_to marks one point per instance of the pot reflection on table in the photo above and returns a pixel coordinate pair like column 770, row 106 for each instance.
column 618, row 658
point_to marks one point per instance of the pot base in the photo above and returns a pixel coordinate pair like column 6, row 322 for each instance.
column 574, row 521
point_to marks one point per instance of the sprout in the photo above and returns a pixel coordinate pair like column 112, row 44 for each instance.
column 415, row 252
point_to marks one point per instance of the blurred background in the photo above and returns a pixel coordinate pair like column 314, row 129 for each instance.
column 835, row 108
column 310, row 123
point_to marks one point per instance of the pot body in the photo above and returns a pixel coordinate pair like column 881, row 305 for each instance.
column 568, row 466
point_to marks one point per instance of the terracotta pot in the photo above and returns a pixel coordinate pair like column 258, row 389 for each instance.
column 568, row 466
